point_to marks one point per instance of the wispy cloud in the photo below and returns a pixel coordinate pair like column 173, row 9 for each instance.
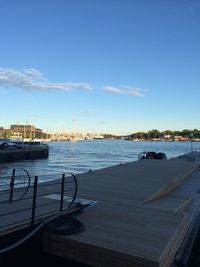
column 112, row 89
column 124, row 90
column 32, row 79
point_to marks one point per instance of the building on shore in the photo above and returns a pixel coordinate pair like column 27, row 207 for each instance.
column 27, row 131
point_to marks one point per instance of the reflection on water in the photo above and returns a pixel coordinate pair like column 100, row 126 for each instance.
column 80, row 156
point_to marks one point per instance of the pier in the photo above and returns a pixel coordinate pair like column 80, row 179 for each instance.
column 143, row 215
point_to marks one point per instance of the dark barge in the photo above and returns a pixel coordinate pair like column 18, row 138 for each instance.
column 22, row 151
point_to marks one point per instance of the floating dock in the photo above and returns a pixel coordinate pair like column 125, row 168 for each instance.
column 144, row 210
column 23, row 152
column 144, row 214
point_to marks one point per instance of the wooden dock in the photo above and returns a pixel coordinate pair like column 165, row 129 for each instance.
column 143, row 212
column 140, row 218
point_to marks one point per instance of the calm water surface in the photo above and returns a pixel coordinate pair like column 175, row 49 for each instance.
column 80, row 156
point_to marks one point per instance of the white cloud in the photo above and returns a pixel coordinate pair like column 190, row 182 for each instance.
column 125, row 90
column 35, row 74
column 131, row 90
column 32, row 79
column 112, row 89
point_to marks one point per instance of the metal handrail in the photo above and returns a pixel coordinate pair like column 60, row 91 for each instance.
column 12, row 183
column 34, row 196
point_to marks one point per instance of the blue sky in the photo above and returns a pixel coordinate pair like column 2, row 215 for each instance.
column 111, row 66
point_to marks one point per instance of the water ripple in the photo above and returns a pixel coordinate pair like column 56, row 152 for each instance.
column 81, row 156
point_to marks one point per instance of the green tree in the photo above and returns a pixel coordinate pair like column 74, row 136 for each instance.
column 168, row 132
column 153, row 134
column 140, row 135
column 196, row 133
column 186, row 132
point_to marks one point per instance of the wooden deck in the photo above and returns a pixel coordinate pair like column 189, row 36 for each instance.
column 141, row 216
column 143, row 212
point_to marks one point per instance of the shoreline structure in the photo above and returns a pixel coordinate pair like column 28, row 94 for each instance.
column 29, row 132
column 145, row 213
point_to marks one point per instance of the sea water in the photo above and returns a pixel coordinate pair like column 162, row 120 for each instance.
column 82, row 156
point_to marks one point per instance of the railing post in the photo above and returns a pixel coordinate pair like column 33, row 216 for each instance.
column 12, row 181
column 34, row 200
column 75, row 191
column 62, row 192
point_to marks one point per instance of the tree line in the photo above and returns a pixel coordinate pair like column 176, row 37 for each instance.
column 167, row 134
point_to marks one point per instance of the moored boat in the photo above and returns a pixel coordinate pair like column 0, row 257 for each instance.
column 12, row 151
column 153, row 155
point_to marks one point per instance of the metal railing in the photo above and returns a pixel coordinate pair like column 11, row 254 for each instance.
column 26, row 199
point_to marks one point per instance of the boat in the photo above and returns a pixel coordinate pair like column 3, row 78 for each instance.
column 153, row 155
column 19, row 150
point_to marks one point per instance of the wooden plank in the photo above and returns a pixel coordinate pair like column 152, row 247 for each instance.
column 172, row 184
column 92, row 254
column 170, row 250
column 135, row 232
column 119, row 230
column 120, row 227
column 170, row 201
